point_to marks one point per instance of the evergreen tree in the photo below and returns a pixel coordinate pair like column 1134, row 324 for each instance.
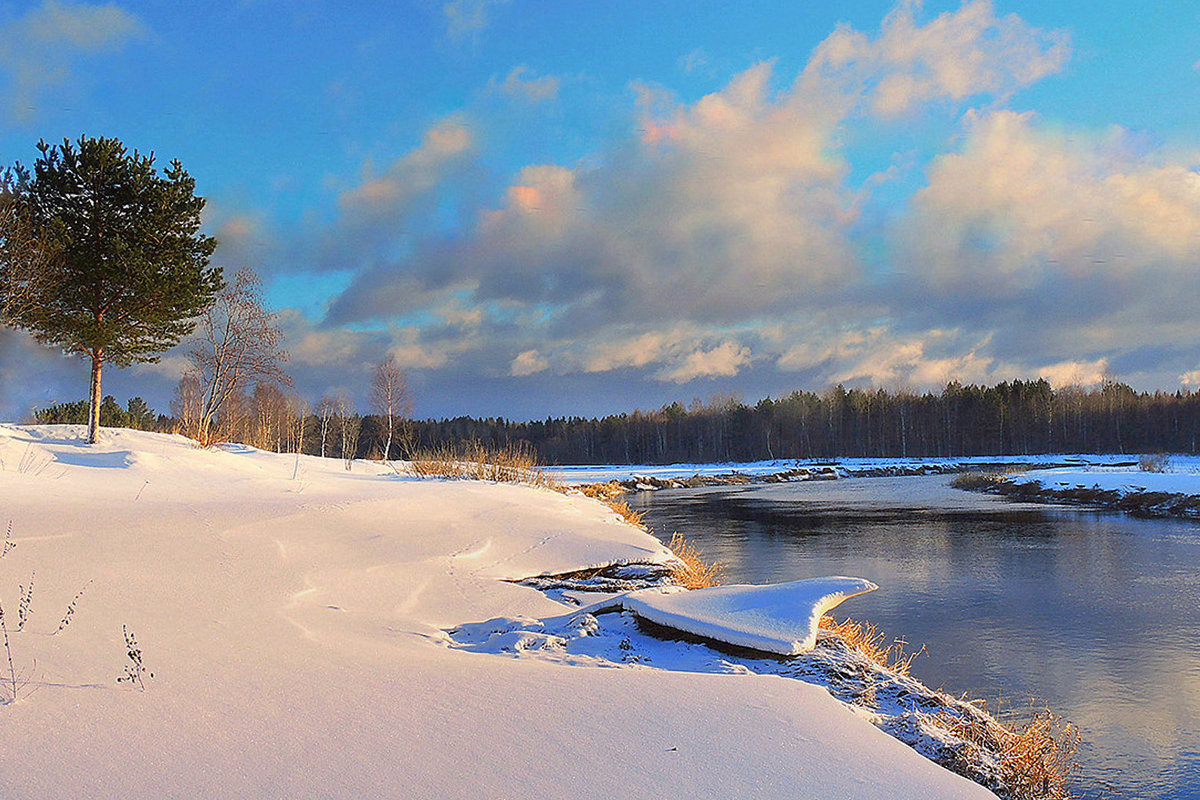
column 131, row 268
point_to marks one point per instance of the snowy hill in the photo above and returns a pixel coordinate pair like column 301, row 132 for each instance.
column 294, row 616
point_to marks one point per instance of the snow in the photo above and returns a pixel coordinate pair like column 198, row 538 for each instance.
column 895, row 702
column 296, row 617
column 599, row 474
column 779, row 618
column 1182, row 477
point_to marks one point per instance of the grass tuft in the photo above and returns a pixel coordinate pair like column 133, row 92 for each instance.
column 626, row 513
column 512, row 463
column 602, row 491
column 869, row 640
column 1036, row 759
column 974, row 481
column 694, row 572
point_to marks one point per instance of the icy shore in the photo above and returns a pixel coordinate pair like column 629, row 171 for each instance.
column 1174, row 492
column 295, row 617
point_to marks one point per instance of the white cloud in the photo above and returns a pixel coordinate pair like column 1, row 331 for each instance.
column 524, row 84
column 881, row 356
column 40, row 49
column 1075, row 373
column 528, row 362
column 1055, row 225
column 389, row 195
column 638, row 351
column 676, row 252
column 955, row 56
column 724, row 360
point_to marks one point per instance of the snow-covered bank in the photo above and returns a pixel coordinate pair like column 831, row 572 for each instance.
column 1175, row 492
column 294, row 615
column 820, row 468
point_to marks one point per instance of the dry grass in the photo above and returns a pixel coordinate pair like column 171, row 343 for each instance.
column 694, row 572
column 628, row 514
column 868, row 640
column 1036, row 760
column 607, row 492
column 973, row 481
column 513, row 463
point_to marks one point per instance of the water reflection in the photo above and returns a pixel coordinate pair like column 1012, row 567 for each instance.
column 1097, row 615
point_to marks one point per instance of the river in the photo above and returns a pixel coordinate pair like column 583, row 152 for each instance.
column 1095, row 615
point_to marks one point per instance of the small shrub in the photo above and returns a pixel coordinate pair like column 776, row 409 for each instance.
column 69, row 614
column 1154, row 462
column 693, row 571
column 10, row 680
column 135, row 670
column 25, row 604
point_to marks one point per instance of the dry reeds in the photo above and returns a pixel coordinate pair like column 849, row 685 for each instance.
column 511, row 463
column 694, row 572
column 868, row 640
column 975, row 481
column 1036, row 760
column 626, row 513
column 602, row 491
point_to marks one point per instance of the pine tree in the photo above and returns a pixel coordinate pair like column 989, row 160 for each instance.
column 131, row 268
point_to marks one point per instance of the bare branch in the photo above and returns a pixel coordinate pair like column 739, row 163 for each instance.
column 238, row 344
column 391, row 397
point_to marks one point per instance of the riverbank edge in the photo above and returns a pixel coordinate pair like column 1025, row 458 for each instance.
column 1033, row 761
column 1135, row 502
column 829, row 471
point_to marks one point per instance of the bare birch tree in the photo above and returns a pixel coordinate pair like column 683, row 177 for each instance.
column 297, row 418
column 325, row 410
column 239, row 343
column 349, row 426
column 188, row 404
column 391, row 397
column 270, row 417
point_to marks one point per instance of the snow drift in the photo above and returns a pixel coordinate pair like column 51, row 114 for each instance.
column 294, row 617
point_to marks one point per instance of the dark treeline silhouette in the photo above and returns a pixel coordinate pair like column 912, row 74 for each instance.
column 1017, row 418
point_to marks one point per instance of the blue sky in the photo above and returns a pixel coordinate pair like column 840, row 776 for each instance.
column 582, row 208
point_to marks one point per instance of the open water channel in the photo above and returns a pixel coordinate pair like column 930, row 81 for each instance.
column 1096, row 615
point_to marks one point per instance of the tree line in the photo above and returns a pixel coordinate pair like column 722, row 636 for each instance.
column 1009, row 418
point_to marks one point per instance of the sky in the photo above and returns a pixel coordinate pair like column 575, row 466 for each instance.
column 580, row 208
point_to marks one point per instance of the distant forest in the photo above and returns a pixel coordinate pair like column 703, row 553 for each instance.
column 1017, row 418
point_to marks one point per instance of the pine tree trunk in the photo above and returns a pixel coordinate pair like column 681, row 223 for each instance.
column 94, row 408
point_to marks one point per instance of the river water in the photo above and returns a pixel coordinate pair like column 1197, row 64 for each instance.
column 1096, row 615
